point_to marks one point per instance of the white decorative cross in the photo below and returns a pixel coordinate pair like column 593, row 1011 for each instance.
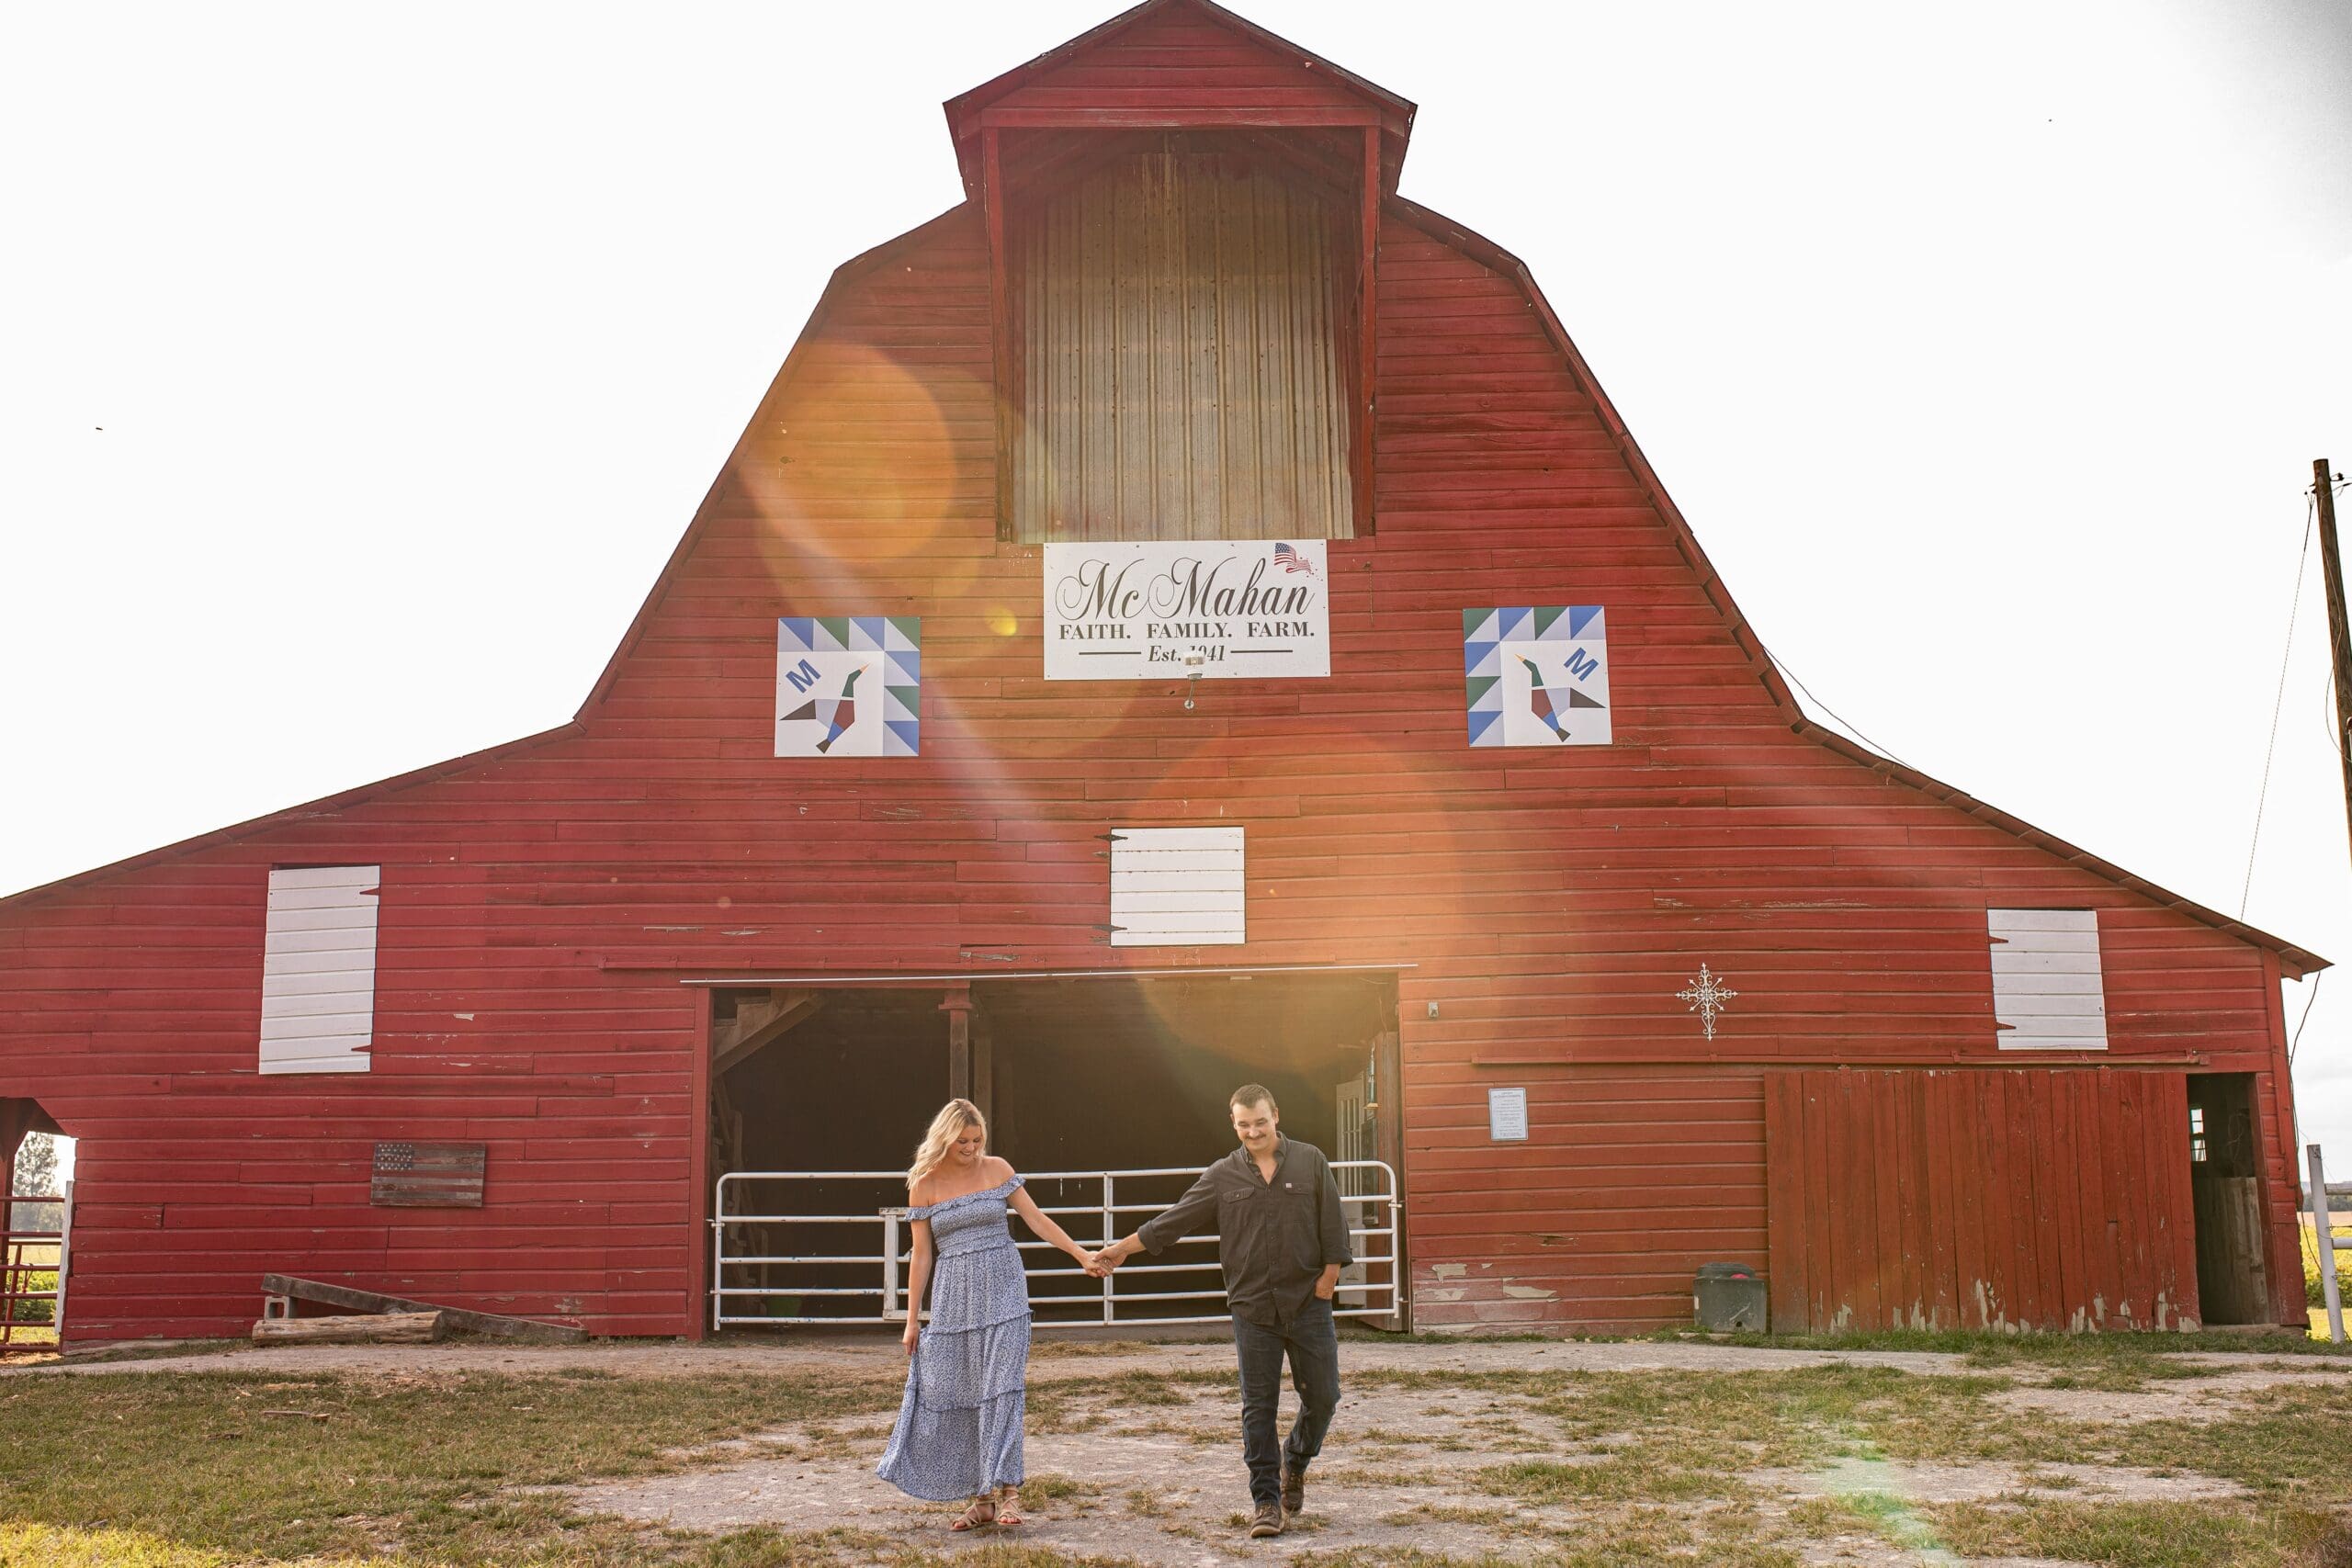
column 1707, row 995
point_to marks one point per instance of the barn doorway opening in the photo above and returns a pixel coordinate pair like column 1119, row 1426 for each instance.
column 2226, row 1185
column 827, row 1089
column 36, row 1224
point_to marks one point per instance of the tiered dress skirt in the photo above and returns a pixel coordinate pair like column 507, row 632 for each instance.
column 960, row 1424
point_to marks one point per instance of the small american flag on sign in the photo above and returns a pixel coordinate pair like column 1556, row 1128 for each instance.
column 1289, row 560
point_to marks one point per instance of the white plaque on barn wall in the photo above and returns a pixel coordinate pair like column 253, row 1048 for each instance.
column 318, row 974
column 1224, row 609
column 848, row 686
column 1176, row 886
column 1507, row 1115
column 2048, row 992
column 1538, row 675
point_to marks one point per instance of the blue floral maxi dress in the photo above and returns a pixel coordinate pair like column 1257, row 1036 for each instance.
column 959, row 1426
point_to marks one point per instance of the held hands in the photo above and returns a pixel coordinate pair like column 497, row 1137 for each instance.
column 1101, row 1264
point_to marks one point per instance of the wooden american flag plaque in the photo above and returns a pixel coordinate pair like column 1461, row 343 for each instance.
column 427, row 1175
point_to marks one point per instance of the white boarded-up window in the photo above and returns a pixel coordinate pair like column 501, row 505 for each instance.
column 2047, row 992
column 1175, row 886
column 318, row 970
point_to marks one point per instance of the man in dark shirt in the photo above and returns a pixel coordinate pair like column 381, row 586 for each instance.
column 1282, row 1241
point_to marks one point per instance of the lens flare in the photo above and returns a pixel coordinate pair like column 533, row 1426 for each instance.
column 869, row 476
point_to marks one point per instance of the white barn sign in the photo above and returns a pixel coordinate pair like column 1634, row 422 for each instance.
column 1177, row 887
column 1233, row 609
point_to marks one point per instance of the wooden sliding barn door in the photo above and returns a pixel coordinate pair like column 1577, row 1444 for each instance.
column 2001, row 1198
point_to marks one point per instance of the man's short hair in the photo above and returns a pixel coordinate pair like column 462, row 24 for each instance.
column 1255, row 1094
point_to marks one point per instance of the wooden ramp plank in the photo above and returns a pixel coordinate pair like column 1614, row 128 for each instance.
column 457, row 1318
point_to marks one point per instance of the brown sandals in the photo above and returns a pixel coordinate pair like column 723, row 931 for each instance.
column 981, row 1512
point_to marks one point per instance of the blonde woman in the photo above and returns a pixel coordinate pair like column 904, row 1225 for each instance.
column 959, row 1426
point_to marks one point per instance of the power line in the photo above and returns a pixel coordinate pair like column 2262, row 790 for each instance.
column 2308, row 1003
column 2262, row 798
column 1855, row 730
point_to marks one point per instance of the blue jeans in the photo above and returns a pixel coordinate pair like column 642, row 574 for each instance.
column 1312, row 1342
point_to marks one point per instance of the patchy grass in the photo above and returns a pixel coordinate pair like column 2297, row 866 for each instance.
column 1649, row 1473
column 2141, row 1535
column 179, row 1463
column 1992, row 1349
column 1045, row 1349
column 52, row 1547
column 1637, row 1538
column 1589, row 1469
column 1052, row 1487
column 2293, row 1444
column 1089, row 1403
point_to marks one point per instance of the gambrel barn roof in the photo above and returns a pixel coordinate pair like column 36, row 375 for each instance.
column 1126, row 74
column 1182, row 321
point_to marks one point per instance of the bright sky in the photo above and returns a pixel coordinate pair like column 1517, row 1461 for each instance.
column 360, row 366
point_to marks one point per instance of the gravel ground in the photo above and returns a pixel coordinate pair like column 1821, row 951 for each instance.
column 1163, row 1483
column 876, row 1354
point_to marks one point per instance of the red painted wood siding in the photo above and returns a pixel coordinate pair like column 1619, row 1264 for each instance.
column 538, row 903
column 1176, row 62
column 2016, row 1199
column 1628, row 1178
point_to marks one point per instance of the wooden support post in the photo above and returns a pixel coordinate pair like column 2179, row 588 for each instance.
column 2325, row 1224
column 1368, row 337
column 698, row 1173
column 958, row 1009
column 984, row 1069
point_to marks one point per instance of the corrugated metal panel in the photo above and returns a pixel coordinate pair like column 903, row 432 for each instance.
column 1176, row 886
column 1180, row 349
column 2007, row 1199
column 318, row 984
column 2047, row 993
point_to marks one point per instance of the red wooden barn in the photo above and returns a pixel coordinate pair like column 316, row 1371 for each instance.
column 1186, row 615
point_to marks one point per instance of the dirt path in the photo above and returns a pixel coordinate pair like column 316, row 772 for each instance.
column 879, row 1355
column 1147, row 1469
column 1162, row 1482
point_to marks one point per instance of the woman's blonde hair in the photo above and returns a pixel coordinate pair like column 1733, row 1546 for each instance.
column 945, row 1128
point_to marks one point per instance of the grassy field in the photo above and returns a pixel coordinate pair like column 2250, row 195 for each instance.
column 2341, row 1234
column 202, row 1470
column 1592, row 1469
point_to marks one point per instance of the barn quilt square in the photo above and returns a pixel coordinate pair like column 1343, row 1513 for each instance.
column 1538, row 675
column 848, row 686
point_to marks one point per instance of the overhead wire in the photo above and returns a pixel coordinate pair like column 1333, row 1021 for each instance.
column 2262, row 797
column 1855, row 730
column 2308, row 1003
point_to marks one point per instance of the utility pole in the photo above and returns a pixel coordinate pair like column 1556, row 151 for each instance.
column 2339, row 645
column 2339, row 633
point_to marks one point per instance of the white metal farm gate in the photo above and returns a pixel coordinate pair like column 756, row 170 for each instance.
column 771, row 1265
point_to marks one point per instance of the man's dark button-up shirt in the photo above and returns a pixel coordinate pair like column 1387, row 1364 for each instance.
column 1273, row 1238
